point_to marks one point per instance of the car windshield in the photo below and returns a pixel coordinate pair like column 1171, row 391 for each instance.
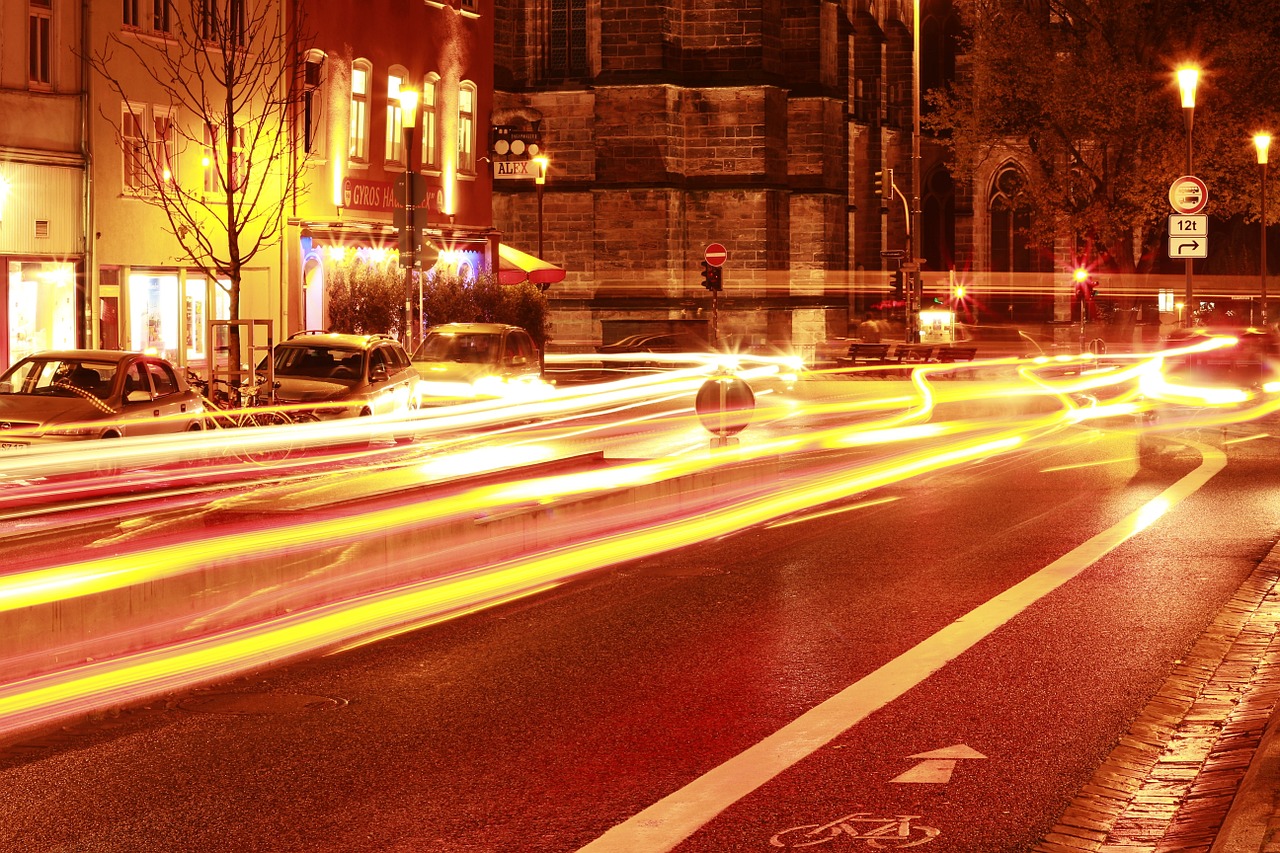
column 468, row 347
column 59, row 377
column 319, row 362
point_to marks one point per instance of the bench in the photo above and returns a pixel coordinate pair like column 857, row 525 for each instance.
column 913, row 353
column 951, row 355
column 860, row 353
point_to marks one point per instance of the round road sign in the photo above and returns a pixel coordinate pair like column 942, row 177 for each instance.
column 716, row 254
column 1188, row 194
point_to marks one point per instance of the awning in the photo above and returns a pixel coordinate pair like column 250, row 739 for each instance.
column 515, row 266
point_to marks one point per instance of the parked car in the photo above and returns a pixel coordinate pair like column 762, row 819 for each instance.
column 344, row 376
column 80, row 394
column 465, row 361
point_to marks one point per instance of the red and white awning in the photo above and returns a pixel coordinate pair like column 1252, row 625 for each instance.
column 515, row 266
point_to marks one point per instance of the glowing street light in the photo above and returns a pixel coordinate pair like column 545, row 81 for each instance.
column 541, row 162
column 1188, row 78
column 408, row 121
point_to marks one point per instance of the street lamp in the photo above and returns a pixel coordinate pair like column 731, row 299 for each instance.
column 1262, row 142
column 916, row 239
column 540, row 178
column 408, row 120
column 1188, row 77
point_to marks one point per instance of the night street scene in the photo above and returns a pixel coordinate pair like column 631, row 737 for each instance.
column 630, row 426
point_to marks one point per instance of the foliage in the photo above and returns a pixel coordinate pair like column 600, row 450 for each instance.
column 223, row 69
column 1084, row 93
column 367, row 297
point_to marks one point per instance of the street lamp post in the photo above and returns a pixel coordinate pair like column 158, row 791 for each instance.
column 408, row 120
column 1188, row 77
column 916, row 238
column 1262, row 142
column 540, row 179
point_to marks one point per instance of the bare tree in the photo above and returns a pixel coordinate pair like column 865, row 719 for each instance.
column 225, row 67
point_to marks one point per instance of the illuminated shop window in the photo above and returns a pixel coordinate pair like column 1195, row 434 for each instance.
column 42, row 307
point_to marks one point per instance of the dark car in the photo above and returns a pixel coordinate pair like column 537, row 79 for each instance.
column 78, row 394
column 344, row 376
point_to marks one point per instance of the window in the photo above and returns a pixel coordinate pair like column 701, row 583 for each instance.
column 431, row 122
column 566, row 50
column 223, row 21
column 313, row 104
column 131, row 13
column 360, row 71
column 40, row 41
column 395, row 121
column 217, row 175
column 160, row 16
column 1011, row 227
column 467, row 128
column 133, row 144
column 162, row 148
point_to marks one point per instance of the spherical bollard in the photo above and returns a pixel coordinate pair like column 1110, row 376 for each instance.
column 724, row 405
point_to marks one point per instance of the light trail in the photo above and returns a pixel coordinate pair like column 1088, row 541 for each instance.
column 884, row 437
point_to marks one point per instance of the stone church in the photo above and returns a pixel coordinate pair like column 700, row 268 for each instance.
column 758, row 124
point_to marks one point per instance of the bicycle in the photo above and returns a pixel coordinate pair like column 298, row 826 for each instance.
column 878, row 832
column 230, row 406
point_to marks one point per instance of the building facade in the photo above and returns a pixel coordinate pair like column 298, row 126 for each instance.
column 362, row 143
column 757, row 125
column 43, row 179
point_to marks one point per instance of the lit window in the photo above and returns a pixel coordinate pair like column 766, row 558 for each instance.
column 431, row 122
column 217, row 174
column 467, row 128
column 40, row 41
column 162, row 146
column 395, row 122
column 359, row 111
column 133, row 145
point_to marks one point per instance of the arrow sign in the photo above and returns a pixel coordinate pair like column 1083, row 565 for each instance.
column 1188, row 247
column 937, row 766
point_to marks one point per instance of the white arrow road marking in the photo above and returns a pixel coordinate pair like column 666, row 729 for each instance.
column 938, row 765
column 668, row 822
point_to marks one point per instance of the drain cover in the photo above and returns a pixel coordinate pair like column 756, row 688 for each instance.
column 257, row 703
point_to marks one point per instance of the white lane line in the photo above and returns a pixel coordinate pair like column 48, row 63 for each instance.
column 674, row 818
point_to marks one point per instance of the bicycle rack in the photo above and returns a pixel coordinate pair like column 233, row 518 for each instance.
column 237, row 347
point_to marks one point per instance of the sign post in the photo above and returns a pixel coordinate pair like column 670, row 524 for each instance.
column 1187, row 196
column 715, row 255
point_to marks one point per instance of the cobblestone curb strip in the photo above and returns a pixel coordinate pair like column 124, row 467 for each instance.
column 1170, row 782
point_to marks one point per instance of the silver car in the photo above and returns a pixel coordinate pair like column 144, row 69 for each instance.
column 78, row 394
column 466, row 361
column 344, row 376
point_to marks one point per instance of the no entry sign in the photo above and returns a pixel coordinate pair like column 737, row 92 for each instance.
column 715, row 254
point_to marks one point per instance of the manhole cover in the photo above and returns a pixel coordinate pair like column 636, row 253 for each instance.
column 257, row 703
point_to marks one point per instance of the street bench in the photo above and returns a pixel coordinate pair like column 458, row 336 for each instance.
column 862, row 353
column 951, row 355
column 908, row 354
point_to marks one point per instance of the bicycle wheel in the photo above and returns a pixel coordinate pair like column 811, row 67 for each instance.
column 274, row 453
column 805, row 836
column 918, row 835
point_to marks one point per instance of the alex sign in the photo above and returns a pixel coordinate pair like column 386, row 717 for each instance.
column 514, row 170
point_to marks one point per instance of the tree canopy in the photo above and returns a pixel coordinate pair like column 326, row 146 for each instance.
column 1084, row 94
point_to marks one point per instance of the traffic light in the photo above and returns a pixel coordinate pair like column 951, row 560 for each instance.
column 884, row 183
column 711, row 278
column 899, row 290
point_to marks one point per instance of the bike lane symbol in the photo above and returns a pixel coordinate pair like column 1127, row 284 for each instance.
column 881, row 833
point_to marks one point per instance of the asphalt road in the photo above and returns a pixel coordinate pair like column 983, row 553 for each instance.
column 545, row 724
